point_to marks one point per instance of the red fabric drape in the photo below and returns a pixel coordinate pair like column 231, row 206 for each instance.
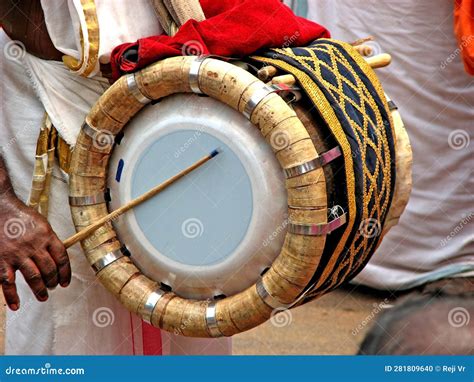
column 152, row 341
column 464, row 29
column 233, row 28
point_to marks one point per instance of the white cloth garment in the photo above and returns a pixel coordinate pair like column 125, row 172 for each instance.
column 119, row 21
column 83, row 318
column 435, row 235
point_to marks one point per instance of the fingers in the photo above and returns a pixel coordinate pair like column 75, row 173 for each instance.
column 59, row 255
column 9, row 289
column 47, row 268
column 33, row 277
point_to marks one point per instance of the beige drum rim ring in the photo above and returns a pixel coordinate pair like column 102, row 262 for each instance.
column 294, row 267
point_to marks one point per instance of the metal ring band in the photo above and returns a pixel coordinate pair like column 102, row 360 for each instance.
column 314, row 164
column 103, row 139
column 267, row 298
column 211, row 320
column 87, row 200
column 392, row 105
column 194, row 73
column 257, row 97
column 108, row 259
column 93, row 132
column 150, row 304
column 135, row 91
column 317, row 229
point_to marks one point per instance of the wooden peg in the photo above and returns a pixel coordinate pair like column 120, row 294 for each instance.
column 379, row 61
column 267, row 73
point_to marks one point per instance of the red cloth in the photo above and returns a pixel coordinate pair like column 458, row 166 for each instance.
column 464, row 29
column 152, row 341
column 233, row 28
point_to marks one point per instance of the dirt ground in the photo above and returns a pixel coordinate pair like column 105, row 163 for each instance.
column 334, row 324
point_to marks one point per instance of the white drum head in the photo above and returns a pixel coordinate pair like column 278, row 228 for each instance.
column 216, row 230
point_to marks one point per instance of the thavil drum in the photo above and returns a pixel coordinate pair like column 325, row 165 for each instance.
column 309, row 178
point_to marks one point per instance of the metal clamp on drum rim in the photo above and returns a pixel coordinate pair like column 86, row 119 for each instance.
column 194, row 73
column 150, row 304
column 103, row 139
column 108, row 259
column 135, row 91
column 211, row 320
column 392, row 105
column 317, row 229
column 314, row 164
column 77, row 201
column 267, row 298
column 257, row 97
column 278, row 88
column 294, row 90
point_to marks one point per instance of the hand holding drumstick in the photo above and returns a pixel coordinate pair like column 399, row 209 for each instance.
column 81, row 235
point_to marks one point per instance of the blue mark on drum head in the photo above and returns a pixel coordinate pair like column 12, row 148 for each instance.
column 118, row 174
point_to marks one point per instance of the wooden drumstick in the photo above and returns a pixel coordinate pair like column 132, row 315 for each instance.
column 379, row 61
column 135, row 202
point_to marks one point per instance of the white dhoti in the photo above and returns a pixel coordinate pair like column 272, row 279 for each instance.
column 83, row 318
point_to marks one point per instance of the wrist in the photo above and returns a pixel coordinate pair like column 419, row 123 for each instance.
column 6, row 188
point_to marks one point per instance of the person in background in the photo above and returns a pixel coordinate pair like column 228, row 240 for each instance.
column 40, row 92
column 432, row 322
column 432, row 247
column 435, row 96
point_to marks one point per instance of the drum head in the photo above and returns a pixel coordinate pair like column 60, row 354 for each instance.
column 216, row 230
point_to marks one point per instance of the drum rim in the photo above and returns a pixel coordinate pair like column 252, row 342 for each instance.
column 289, row 274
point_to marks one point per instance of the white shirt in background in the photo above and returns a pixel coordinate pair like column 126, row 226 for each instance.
column 435, row 96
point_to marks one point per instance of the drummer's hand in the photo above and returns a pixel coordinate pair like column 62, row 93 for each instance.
column 28, row 244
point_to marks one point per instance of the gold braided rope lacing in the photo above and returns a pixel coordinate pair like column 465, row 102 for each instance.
column 379, row 146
